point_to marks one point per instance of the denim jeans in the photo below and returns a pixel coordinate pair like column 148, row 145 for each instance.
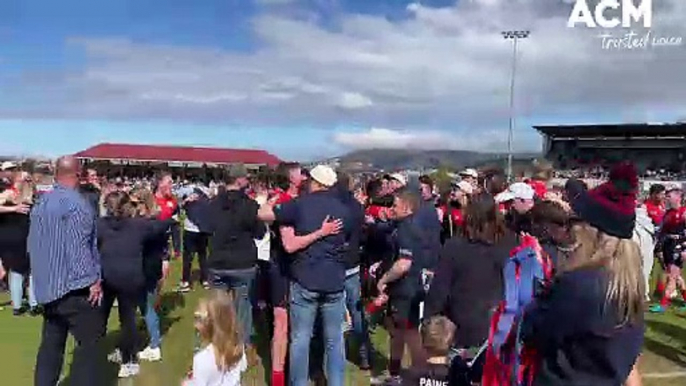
column 152, row 319
column 17, row 290
column 241, row 283
column 303, row 308
column 353, row 301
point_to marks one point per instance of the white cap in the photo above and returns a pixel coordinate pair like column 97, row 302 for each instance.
column 670, row 186
column 7, row 165
column 518, row 190
column 400, row 178
column 464, row 186
column 469, row 173
column 324, row 175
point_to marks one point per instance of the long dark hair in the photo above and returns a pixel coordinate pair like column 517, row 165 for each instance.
column 483, row 221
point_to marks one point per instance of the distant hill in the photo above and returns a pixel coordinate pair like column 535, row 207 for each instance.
column 401, row 159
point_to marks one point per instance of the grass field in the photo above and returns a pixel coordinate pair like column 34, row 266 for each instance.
column 663, row 362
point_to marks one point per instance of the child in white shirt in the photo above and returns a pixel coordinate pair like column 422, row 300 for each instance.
column 223, row 360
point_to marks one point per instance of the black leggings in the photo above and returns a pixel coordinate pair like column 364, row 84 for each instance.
column 194, row 242
column 127, row 305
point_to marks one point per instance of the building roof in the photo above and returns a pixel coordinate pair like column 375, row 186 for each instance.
column 615, row 130
column 148, row 153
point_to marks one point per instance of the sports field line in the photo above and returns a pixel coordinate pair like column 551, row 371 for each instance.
column 673, row 374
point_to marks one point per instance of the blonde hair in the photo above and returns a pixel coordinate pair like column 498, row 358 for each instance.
column 147, row 206
column 118, row 204
column 437, row 335
column 622, row 260
column 218, row 326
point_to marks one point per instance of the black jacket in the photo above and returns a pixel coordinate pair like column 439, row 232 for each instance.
column 199, row 212
column 468, row 285
column 121, row 242
column 234, row 227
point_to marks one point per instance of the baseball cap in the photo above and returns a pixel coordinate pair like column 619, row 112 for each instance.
column 324, row 175
column 463, row 186
column 672, row 186
column 400, row 178
column 518, row 190
column 469, row 173
column 238, row 171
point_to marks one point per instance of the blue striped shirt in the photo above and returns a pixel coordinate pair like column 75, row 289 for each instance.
column 62, row 244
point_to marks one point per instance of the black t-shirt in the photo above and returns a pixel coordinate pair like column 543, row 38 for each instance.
column 408, row 238
column 427, row 375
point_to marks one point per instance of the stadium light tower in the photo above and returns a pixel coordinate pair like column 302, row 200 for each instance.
column 514, row 36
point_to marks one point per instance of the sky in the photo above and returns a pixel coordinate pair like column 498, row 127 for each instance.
column 309, row 79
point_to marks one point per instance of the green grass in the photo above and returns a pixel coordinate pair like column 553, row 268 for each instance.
column 665, row 348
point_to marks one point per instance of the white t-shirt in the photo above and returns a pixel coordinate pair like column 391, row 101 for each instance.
column 206, row 373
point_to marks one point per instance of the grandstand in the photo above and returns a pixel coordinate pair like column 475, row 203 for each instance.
column 653, row 147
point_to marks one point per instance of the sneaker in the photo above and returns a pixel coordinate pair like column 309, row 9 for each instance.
column 114, row 356
column 184, row 287
column 206, row 285
column 18, row 312
column 128, row 370
column 381, row 379
column 150, row 354
column 35, row 311
column 657, row 309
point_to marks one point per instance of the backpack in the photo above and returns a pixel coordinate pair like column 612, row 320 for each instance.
column 508, row 362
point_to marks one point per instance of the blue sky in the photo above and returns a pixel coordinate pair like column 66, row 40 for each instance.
column 311, row 78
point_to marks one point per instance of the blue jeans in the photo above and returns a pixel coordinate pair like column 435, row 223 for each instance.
column 353, row 301
column 241, row 283
column 303, row 308
column 152, row 319
column 17, row 290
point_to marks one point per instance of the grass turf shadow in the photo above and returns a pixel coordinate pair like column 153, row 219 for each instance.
column 675, row 333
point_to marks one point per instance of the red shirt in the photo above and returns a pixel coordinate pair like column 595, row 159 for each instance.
column 656, row 211
column 281, row 196
column 674, row 220
column 456, row 215
column 378, row 212
column 539, row 188
column 167, row 205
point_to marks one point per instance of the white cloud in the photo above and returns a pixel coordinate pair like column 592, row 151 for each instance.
column 381, row 138
column 445, row 70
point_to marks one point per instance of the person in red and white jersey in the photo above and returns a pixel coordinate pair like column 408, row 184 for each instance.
column 543, row 172
column 452, row 211
column 656, row 203
column 671, row 248
column 289, row 182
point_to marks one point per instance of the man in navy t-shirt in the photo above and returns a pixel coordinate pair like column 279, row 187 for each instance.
column 317, row 236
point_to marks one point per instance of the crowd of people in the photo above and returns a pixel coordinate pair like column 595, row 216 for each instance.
column 317, row 250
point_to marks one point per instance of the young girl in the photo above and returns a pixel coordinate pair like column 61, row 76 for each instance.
column 223, row 360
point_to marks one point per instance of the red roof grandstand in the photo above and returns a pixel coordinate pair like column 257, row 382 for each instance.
column 148, row 153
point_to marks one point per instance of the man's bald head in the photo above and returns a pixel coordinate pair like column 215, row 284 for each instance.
column 67, row 170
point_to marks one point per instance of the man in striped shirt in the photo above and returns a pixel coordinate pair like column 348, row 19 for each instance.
column 65, row 264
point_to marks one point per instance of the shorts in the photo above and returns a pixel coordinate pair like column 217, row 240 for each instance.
column 404, row 311
column 672, row 254
column 278, row 285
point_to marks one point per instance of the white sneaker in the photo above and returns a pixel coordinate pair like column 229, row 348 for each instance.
column 150, row 354
column 115, row 356
column 128, row 370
